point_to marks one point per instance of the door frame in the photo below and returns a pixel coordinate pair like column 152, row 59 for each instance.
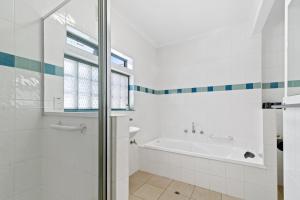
column 104, row 137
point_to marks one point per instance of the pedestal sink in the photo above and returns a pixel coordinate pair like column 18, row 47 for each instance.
column 133, row 130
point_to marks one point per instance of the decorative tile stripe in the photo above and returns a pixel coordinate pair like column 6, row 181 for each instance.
column 10, row 60
column 219, row 88
column 53, row 70
column 7, row 59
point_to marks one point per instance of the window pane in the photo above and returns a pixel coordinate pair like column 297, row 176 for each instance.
column 84, row 71
column 95, row 102
column 118, row 60
column 70, row 67
column 70, row 84
column 84, row 86
column 95, row 74
column 70, row 101
column 84, row 102
column 119, row 91
column 81, row 45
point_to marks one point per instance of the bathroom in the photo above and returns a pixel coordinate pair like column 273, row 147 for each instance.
column 149, row 100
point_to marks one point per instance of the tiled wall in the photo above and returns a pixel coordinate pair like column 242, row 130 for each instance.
column 20, row 115
column 37, row 162
column 120, row 140
column 224, row 67
column 145, row 72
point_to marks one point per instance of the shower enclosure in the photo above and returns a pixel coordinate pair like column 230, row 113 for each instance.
column 54, row 104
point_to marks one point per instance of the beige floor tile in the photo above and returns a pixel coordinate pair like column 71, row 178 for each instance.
column 169, row 195
column 131, row 197
column 140, row 176
column 183, row 188
column 149, row 192
column 134, row 186
column 159, row 181
column 226, row 197
column 204, row 194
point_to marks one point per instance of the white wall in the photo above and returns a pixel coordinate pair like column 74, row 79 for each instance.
column 273, row 67
column 225, row 56
column 273, row 52
column 126, row 40
column 20, row 104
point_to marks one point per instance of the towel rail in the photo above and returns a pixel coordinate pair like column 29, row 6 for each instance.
column 59, row 126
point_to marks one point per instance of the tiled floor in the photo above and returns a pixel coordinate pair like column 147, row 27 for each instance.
column 145, row 186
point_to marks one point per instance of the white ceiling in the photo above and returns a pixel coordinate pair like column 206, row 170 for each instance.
column 167, row 21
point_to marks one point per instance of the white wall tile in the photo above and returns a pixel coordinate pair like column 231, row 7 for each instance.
column 28, row 115
column 202, row 179
column 7, row 36
column 217, row 168
column 235, row 172
column 27, row 175
column 259, row 192
column 28, row 85
column 218, row 184
column 28, row 40
column 6, row 181
column 7, row 148
column 7, row 10
column 235, row 188
column 34, row 194
column 27, row 145
column 7, row 79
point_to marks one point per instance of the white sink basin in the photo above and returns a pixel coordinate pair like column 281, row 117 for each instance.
column 133, row 130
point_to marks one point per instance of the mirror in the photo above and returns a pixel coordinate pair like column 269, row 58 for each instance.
column 293, row 50
column 70, row 58
column 71, row 63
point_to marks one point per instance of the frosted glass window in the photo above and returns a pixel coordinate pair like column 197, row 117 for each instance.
column 70, row 84
column 80, row 85
column 119, row 91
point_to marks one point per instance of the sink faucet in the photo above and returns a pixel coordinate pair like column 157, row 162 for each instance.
column 193, row 128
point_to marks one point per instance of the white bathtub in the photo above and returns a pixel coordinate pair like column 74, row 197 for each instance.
column 216, row 167
column 225, row 153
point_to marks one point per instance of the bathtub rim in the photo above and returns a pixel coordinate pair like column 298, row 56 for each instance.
column 215, row 158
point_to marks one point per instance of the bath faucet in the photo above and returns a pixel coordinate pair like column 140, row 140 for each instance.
column 193, row 128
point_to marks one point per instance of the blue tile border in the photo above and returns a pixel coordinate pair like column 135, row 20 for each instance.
column 7, row 59
column 218, row 88
column 10, row 60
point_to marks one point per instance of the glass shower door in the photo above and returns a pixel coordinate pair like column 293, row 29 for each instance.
column 74, row 143
column 291, row 114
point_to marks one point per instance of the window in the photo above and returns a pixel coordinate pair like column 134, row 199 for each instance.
column 81, row 76
column 80, row 84
column 119, row 91
column 81, row 41
column 118, row 60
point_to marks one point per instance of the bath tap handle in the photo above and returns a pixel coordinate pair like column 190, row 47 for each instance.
column 193, row 128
